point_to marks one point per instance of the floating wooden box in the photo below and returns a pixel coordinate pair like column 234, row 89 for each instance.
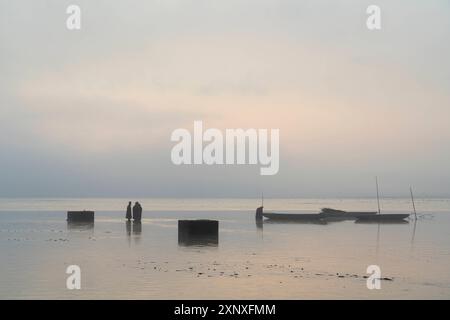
column 80, row 216
column 198, row 232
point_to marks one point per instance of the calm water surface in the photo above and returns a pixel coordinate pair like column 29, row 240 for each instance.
column 292, row 261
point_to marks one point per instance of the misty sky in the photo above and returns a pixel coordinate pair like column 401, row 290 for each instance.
column 90, row 112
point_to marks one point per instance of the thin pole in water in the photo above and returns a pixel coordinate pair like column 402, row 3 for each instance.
column 262, row 199
column 414, row 206
column 378, row 195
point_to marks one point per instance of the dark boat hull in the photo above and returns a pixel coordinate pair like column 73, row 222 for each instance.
column 292, row 216
column 344, row 215
column 298, row 221
column 384, row 217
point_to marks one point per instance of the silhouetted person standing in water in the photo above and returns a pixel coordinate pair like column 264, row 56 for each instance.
column 137, row 211
column 128, row 215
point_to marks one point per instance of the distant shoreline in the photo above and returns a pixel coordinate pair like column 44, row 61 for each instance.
column 223, row 204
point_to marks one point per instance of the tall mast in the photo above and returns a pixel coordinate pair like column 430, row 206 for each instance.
column 414, row 206
column 378, row 195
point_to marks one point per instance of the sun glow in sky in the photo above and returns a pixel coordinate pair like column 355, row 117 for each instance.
column 90, row 112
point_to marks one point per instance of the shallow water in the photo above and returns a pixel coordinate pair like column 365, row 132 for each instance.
column 292, row 261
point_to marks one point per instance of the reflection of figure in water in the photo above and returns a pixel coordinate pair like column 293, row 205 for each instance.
column 133, row 228
column 137, row 227
column 128, row 227
column 128, row 215
column 137, row 211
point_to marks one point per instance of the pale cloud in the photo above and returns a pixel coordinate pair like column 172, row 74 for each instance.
column 347, row 102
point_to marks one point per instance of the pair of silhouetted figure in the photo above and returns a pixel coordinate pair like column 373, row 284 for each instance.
column 137, row 212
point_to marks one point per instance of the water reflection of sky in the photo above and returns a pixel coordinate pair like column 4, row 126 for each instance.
column 273, row 260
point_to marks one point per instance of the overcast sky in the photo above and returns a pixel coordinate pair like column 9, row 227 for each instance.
column 90, row 112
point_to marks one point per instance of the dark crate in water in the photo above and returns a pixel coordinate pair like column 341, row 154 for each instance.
column 80, row 216
column 198, row 232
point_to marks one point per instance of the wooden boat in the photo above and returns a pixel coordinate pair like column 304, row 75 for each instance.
column 292, row 216
column 383, row 217
column 325, row 214
column 293, row 221
column 329, row 213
